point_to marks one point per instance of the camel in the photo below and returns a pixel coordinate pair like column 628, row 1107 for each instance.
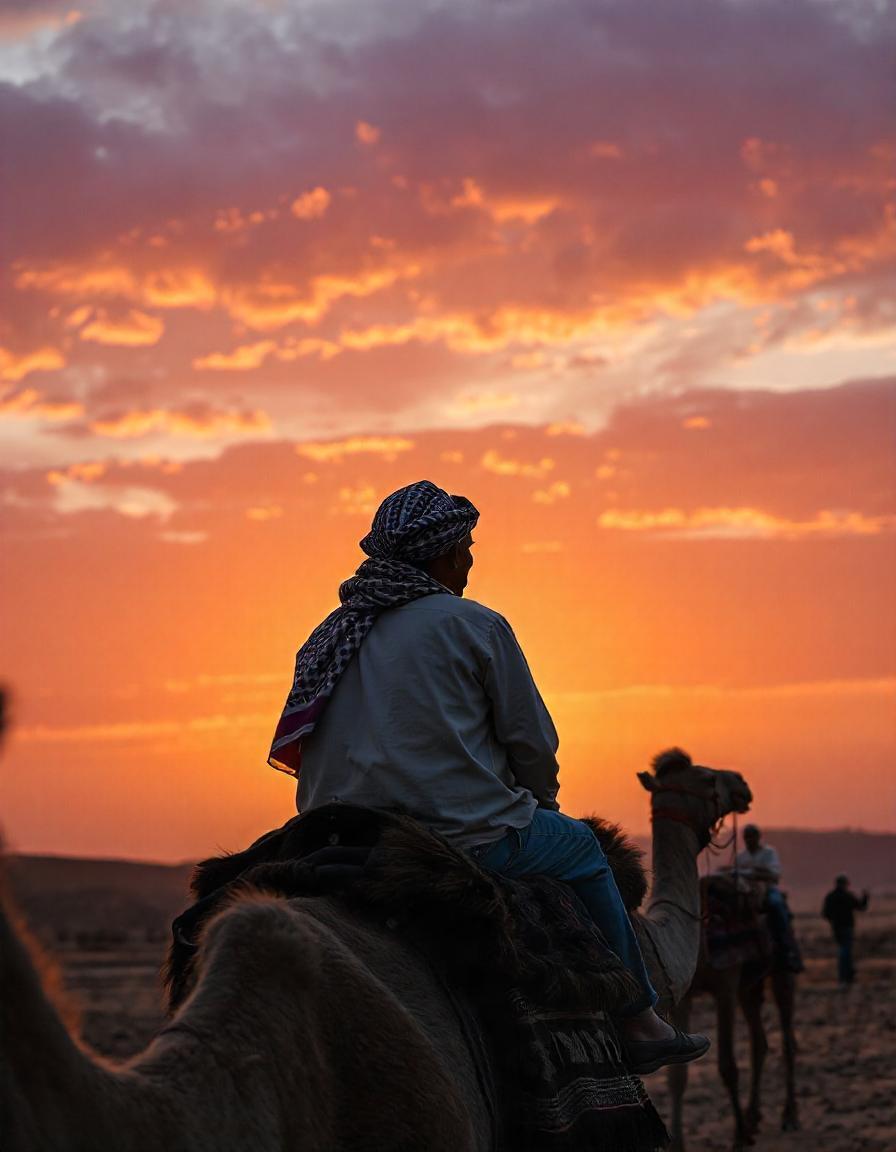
column 740, row 984
column 308, row 1030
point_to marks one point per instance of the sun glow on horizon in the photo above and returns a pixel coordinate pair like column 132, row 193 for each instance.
column 648, row 328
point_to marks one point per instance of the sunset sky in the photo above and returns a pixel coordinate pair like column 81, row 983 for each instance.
column 623, row 272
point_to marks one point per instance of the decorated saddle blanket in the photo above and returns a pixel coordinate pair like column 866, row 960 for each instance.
column 735, row 929
column 537, row 975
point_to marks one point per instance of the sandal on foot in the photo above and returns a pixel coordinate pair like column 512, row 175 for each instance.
column 646, row 1056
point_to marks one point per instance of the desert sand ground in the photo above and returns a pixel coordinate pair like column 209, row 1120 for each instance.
column 846, row 1066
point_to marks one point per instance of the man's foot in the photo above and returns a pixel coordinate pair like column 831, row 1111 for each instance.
column 645, row 1056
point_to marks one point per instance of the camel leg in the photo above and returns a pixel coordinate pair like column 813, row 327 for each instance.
column 784, row 991
column 726, row 1002
column 677, row 1078
column 751, row 998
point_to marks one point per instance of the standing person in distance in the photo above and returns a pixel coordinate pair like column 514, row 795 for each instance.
column 839, row 909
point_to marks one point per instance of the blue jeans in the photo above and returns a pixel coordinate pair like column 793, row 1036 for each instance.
column 566, row 849
column 778, row 914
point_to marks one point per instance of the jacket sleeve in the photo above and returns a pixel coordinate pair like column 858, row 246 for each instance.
column 522, row 722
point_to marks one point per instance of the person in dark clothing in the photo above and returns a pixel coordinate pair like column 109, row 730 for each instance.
column 839, row 909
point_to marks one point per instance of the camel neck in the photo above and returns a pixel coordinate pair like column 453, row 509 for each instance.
column 673, row 907
column 675, row 850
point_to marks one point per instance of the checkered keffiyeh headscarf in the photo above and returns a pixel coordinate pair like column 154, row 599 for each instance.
column 414, row 524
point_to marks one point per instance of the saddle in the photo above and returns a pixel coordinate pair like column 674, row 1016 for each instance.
column 734, row 926
column 528, row 973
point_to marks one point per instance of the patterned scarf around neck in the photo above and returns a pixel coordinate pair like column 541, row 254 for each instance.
column 414, row 524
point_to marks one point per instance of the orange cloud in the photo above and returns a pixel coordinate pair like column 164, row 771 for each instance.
column 539, row 547
column 183, row 536
column 165, row 287
column 357, row 500
column 311, row 205
column 134, row 329
column 366, row 133
column 239, row 360
column 178, row 288
column 604, row 150
column 17, row 367
column 234, row 220
column 471, row 402
column 471, row 334
column 500, row 208
column 201, row 426
column 132, row 502
column 779, row 243
column 309, row 346
column 334, row 451
column 29, row 404
column 18, row 25
column 274, row 304
column 493, row 461
column 529, row 211
column 559, row 490
column 751, row 523
column 89, row 471
column 79, row 316
column 74, row 280
column 142, row 730
column 264, row 512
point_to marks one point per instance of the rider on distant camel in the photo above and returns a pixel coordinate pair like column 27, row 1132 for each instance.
column 760, row 862
column 409, row 697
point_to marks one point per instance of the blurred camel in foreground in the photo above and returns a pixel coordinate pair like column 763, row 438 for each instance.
column 308, row 1029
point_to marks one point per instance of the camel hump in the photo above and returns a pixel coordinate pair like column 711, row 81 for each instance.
column 521, row 959
column 408, row 877
column 625, row 858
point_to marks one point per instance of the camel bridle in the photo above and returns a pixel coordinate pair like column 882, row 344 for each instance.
column 706, row 828
column 705, row 824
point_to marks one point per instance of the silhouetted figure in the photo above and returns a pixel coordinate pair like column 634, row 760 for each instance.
column 760, row 861
column 411, row 697
column 839, row 909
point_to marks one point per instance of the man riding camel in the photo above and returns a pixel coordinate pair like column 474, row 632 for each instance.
column 410, row 697
column 760, row 862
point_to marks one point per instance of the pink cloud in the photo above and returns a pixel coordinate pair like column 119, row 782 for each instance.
column 200, row 424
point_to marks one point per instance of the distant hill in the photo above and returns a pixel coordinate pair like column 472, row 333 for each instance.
column 71, row 900
column 83, row 901
column 810, row 860
column 815, row 858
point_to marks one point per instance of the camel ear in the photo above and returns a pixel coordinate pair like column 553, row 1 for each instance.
column 647, row 781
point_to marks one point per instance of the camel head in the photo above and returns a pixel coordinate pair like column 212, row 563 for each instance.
column 691, row 794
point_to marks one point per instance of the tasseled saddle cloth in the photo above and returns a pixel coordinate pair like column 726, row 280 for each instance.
column 537, row 972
